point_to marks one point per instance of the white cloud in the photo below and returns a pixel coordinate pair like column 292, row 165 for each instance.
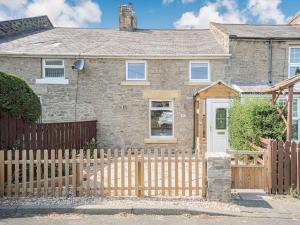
column 228, row 11
column 13, row 4
column 167, row 2
column 211, row 12
column 187, row 1
column 60, row 12
column 267, row 11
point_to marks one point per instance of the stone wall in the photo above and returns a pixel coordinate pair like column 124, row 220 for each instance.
column 121, row 110
column 250, row 61
column 218, row 176
column 12, row 27
column 221, row 37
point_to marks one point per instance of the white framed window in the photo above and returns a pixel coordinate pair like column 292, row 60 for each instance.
column 294, row 60
column 53, row 69
column 53, row 72
column 161, row 118
column 199, row 71
column 296, row 117
column 136, row 70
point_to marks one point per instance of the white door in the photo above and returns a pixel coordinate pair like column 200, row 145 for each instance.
column 217, row 124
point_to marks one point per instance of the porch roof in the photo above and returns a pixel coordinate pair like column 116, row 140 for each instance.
column 218, row 89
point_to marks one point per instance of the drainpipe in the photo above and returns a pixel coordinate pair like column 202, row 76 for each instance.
column 270, row 46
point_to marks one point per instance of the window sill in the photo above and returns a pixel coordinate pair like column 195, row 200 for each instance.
column 160, row 140
column 197, row 82
column 52, row 81
column 135, row 83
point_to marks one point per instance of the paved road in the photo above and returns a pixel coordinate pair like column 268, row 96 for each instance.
column 127, row 219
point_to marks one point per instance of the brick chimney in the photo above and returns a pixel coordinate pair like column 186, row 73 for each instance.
column 127, row 18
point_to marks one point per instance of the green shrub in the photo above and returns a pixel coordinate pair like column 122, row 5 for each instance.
column 17, row 99
column 252, row 119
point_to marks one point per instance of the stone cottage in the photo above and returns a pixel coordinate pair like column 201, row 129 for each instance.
column 141, row 84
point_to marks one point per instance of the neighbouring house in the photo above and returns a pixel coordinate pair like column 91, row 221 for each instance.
column 149, row 88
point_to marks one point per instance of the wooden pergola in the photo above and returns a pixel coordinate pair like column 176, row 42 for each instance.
column 282, row 88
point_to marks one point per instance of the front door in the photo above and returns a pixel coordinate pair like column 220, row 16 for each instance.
column 217, row 124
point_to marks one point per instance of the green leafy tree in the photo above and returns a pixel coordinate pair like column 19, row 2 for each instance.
column 251, row 119
column 17, row 99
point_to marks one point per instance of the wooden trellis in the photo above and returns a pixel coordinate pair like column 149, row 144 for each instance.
column 282, row 88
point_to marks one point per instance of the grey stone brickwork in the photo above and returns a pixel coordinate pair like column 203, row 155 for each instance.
column 12, row 27
column 121, row 111
column 218, row 176
column 221, row 37
column 250, row 61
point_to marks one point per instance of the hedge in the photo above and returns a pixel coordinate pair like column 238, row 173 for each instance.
column 251, row 119
column 17, row 99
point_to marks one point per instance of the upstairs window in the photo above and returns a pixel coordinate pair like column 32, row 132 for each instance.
column 294, row 61
column 199, row 71
column 53, row 69
column 136, row 70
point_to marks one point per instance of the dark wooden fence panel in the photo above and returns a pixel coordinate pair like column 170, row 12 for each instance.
column 285, row 167
column 16, row 134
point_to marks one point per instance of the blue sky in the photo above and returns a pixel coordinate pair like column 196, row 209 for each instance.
column 153, row 13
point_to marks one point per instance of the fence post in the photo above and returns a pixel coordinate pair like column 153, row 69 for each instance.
column 139, row 173
column 1, row 172
column 268, row 167
column 298, row 167
column 204, row 178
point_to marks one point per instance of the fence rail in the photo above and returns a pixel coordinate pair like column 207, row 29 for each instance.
column 101, row 172
column 17, row 134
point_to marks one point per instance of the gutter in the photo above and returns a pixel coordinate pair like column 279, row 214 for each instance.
column 264, row 38
column 66, row 55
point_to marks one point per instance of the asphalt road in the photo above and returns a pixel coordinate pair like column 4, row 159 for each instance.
column 128, row 219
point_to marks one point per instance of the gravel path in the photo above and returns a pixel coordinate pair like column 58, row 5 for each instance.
column 191, row 202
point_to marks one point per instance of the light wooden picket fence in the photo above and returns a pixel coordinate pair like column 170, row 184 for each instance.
column 100, row 172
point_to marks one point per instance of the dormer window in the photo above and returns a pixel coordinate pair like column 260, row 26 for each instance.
column 136, row 70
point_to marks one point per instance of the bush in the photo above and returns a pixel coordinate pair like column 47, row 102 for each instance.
column 252, row 119
column 17, row 99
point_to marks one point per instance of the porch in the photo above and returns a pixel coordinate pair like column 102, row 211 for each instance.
column 211, row 117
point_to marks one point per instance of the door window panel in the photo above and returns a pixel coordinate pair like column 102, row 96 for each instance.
column 221, row 119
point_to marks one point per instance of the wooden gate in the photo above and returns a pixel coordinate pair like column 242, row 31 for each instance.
column 249, row 170
column 274, row 167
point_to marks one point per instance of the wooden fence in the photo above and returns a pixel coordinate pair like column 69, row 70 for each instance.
column 284, row 167
column 17, row 134
column 100, row 172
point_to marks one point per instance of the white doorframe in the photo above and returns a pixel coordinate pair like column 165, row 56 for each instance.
column 209, row 118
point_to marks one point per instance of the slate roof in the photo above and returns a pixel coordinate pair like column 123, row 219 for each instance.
column 112, row 42
column 260, row 31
